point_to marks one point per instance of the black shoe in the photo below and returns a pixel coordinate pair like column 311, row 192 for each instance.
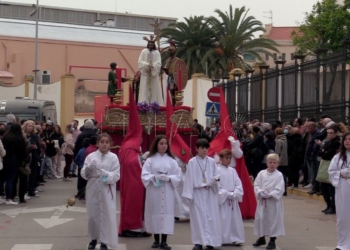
column 23, row 202
column 92, row 244
column 103, row 247
column 324, row 210
column 312, row 192
column 155, row 244
column 209, row 247
column 177, row 218
column 337, row 249
column 271, row 245
column 74, row 175
column 330, row 211
column 197, row 247
column 261, row 241
column 165, row 246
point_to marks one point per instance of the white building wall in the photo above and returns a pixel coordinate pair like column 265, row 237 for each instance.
column 10, row 93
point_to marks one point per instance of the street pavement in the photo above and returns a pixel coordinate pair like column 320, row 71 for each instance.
column 44, row 223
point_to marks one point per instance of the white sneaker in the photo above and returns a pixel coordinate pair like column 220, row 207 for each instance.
column 11, row 202
column 26, row 197
column 291, row 187
column 58, row 177
column 308, row 186
column 2, row 201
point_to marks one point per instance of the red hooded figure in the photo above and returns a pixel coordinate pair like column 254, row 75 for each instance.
column 132, row 191
column 178, row 146
column 220, row 142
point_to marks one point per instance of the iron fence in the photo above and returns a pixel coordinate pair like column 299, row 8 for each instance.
column 309, row 88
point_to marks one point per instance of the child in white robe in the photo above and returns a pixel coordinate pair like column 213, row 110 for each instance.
column 160, row 176
column 201, row 189
column 269, row 189
column 230, row 193
column 339, row 175
column 102, row 171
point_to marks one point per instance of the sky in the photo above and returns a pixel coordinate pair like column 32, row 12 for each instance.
column 284, row 12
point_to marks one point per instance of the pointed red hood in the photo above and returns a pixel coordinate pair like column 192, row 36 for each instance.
column 220, row 142
column 134, row 134
column 178, row 146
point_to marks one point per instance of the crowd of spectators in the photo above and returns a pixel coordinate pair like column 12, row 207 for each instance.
column 31, row 152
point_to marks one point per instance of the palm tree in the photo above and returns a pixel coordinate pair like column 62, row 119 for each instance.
column 234, row 37
column 193, row 39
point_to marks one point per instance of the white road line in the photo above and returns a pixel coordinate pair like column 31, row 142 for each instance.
column 257, row 248
column 32, row 247
column 325, row 248
column 120, row 247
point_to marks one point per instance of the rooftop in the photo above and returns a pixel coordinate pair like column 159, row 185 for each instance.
column 282, row 33
column 51, row 14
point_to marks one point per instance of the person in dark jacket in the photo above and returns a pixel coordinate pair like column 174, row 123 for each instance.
column 311, row 153
column 295, row 156
column 10, row 119
column 15, row 147
column 87, row 133
column 257, row 151
column 327, row 153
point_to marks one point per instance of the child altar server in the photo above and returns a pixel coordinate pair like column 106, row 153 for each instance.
column 269, row 189
column 230, row 193
column 201, row 189
column 101, row 170
column 160, row 175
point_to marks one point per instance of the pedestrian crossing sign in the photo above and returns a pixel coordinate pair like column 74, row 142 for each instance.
column 212, row 109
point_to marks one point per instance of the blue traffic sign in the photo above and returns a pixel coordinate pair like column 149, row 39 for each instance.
column 212, row 109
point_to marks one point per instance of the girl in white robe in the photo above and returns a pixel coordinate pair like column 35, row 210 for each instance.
column 339, row 175
column 269, row 189
column 160, row 176
column 201, row 190
column 230, row 193
column 102, row 171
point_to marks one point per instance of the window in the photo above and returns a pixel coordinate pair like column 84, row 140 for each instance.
column 266, row 57
column 292, row 56
column 248, row 57
column 283, row 56
column 274, row 56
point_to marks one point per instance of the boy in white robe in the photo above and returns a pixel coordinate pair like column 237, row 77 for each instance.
column 269, row 189
column 201, row 190
column 230, row 193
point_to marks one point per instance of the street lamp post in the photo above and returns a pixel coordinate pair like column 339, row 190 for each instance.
column 36, row 11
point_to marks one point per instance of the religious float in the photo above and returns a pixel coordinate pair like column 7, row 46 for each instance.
column 115, row 116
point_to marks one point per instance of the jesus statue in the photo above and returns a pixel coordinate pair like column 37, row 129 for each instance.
column 149, row 64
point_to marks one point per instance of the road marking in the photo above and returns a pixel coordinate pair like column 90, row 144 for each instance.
column 54, row 220
column 13, row 213
column 247, row 224
column 120, row 247
column 32, row 247
column 255, row 248
column 181, row 247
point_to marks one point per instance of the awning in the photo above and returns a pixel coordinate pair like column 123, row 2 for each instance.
column 6, row 74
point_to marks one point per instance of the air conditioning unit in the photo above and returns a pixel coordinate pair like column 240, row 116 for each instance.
column 44, row 76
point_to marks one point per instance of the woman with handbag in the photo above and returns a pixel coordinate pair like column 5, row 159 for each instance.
column 15, row 147
column 327, row 153
column 339, row 175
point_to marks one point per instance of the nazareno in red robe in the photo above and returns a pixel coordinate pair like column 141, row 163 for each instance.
column 220, row 142
column 132, row 191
